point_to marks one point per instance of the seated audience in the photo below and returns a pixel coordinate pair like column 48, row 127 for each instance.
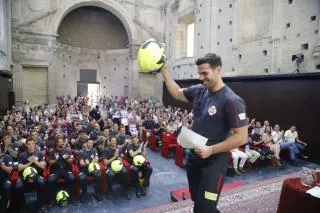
column 236, row 155
column 269, row 142
column 291, row 135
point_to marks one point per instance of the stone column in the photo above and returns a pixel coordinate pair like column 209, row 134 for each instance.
column 17, row 77
column 133, row 71
column 52, row 73
column 17, row 84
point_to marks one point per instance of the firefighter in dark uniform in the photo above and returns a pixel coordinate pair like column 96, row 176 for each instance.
column 89, row 155
column 103, row 141
column 34, row 159
column 60, row 161
column 122, row 139
column 216, row 111
column 142, row 171
column 8, row 147
column 77, row 145
column 109, row 155
column 5, row 171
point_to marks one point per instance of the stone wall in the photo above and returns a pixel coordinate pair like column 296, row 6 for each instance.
column 36, row 43
column 260, row 45
column 252, row 36
column 5, row 36
column 6, row 85
column 93, row 27
column 112, row 69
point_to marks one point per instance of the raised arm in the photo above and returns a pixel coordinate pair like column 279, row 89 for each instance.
column 173, row 88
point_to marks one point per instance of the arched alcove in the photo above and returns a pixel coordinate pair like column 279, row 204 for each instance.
column 93, row 28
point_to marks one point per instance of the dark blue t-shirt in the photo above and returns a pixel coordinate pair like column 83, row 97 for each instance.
column 8, row 161
column 23, row 159
column 215, row 113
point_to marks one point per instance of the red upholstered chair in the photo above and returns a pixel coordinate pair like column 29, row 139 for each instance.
column 179, row 156
column 75, row 172
column 285, row 154
column 74, row 169
column 144, row 136
column 14, row 176
column 91, row 178
column 103, row 178
column 127, row 165
column 153, row 142
column 168, row 142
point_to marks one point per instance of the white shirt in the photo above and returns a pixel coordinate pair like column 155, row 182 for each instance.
column 277, row 136
column 291, row 136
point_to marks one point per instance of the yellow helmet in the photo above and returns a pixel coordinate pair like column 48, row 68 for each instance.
column 29, row 174
column 151, row 56
column 62, row 198
column 138, row 160
column 93, row 166
column 116, row 166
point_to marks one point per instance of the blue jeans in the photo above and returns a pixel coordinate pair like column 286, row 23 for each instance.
column 265, row 151
column 293, row 150
column 300, row 147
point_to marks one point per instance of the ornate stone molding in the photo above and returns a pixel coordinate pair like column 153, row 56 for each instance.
column 133, row 50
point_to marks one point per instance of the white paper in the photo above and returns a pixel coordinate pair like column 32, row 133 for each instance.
column 315, row 191
column 190, row 140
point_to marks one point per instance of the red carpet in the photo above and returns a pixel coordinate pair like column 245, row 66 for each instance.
column 259, row 197
column 229, row 186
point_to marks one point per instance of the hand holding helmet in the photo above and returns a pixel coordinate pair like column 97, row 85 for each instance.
column 151, row 56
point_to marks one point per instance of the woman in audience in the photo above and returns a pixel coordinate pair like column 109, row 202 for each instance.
column 273, row 145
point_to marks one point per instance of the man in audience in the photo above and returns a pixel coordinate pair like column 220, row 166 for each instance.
column 60, row 161
column 236, row 154
column 291, row 135
column 277, row 134
column 89, row 155
column 139, row 172
column 109, row 155
column 122, row 139
column 34, row 159
column 5, row 187
column 252, row 154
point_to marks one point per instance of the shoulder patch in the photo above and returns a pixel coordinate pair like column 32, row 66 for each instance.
column 242, row 116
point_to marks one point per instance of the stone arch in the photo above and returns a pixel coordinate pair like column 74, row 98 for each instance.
column 109, row 5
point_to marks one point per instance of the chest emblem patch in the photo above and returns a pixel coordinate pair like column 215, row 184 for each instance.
column 212, row 110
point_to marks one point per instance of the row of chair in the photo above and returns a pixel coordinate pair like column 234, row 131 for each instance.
column 169, row 142
column 75, row 170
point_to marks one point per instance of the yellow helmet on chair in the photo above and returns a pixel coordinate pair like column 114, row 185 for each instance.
column 116, row 166
column 29, row 174
column 138, row 160
column 151, row 56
